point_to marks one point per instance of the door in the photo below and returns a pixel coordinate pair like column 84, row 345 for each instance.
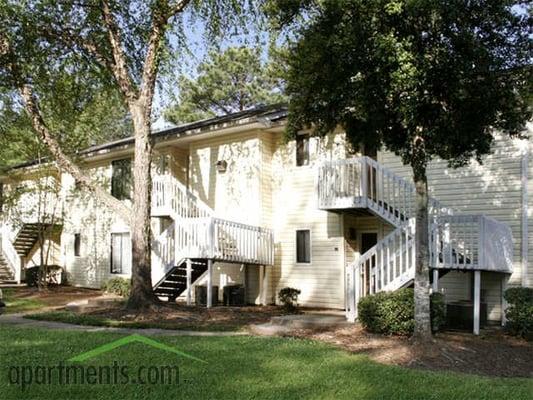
column 368, row 240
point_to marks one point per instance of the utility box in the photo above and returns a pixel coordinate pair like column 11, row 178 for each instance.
column 233, row 295
column 460, row 315
column 200, row 295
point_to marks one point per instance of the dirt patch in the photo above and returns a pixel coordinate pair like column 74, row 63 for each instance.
column 179, row 316
column 52, row 297
column 491, row 354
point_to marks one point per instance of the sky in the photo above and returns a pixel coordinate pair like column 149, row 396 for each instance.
column 186, row 62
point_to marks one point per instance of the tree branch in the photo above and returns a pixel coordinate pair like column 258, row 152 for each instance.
column 119, row 67
column 160, row 16
column 63, row 161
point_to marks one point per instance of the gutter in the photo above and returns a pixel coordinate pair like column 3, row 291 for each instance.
column 525, row 239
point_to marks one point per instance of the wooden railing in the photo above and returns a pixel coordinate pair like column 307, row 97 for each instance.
column 364, row 183
column 197, row 233
column 471, row 242
column 164, row 253
column 388, row 265
column 224, row 240
column 171, row 197
column 10, row 254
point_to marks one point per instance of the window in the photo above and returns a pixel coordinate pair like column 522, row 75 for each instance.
column 303, row 246
column 121, row 179
column 120, row 253
column 77, row 244
column 302, row 150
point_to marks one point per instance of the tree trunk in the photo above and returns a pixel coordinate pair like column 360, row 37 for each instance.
column 142, row 295
column 422, row 331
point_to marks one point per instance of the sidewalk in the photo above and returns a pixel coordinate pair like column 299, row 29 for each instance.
column 18, row 320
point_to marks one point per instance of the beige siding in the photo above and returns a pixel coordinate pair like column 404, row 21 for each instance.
column 295, row 207
column 236, row 193
column 95, row 222
column 492, row 187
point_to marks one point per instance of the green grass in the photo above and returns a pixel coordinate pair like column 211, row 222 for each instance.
column 238, row 368
column 97, row 320
column 17, row 305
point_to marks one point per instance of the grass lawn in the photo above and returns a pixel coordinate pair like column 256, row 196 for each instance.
column 15, row 304
column 238, row 368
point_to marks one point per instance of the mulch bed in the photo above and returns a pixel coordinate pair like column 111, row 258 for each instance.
column 180, row 316
column 491, row 354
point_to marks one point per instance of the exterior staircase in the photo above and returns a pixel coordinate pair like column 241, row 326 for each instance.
column 26, row 238
column 174, row 283
column 457, row 241
column 6, row 274
column 199, row 236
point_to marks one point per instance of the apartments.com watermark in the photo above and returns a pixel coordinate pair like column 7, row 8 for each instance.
column 73, row 372
column 64, row 374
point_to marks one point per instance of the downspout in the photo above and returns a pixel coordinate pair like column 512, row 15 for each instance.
column 525, row 244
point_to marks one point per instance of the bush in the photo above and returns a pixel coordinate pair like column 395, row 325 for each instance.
column 118, row 286
column 289, row 298
column 393, row 313
column 32, row 275
column 519, row 314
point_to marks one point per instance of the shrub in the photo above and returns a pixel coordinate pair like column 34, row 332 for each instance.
column 519, row 314
column 289, row 298
column 32, row 275
column 393, row 313
column 118, row 286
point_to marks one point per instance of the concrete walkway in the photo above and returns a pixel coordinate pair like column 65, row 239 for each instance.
column 18, row 320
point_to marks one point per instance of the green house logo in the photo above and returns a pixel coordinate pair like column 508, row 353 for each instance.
column 135, row 338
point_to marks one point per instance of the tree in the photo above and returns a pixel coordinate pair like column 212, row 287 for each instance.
column 234, row 80
column 119, row 44
column 422, row 79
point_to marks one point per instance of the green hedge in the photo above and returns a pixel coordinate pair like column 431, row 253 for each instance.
column 392, row 313
column 118, row 286
column 519, row 314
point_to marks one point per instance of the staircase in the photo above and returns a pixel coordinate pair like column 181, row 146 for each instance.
column 6, row 275
column 174, row 283
column 26, row 238
column 466, row 242
column 198, row 235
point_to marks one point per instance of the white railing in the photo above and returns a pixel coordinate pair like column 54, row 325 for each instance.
column 163, row 253
column 224, row 240
column 471, row 242
column 171, row 197
column 388, row 265
column 364, row 183
column 10, row 254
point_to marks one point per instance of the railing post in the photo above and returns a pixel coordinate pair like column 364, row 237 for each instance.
column 211, row 237
column 364, row 180
column 477, row 300
column 189, row 279
column 209, row 283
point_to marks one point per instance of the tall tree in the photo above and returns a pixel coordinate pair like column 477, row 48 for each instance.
column 422, row 79
column 233, row 80
column 117, row 43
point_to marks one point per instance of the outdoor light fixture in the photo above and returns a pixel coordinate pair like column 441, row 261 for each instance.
column 222, row 165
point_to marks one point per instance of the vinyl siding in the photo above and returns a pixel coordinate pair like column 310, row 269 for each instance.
column 492, row 187
column 95, row 222
column 236, row 193
column 295, row 207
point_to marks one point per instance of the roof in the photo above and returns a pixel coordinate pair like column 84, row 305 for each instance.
column 264, row 114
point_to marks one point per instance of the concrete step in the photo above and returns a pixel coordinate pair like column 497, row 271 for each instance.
column 310, row 321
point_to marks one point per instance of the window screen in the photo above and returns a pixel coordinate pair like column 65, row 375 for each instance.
column 303, row 246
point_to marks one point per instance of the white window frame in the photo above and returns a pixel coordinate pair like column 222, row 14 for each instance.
column 124, row 268
column 296, row 230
